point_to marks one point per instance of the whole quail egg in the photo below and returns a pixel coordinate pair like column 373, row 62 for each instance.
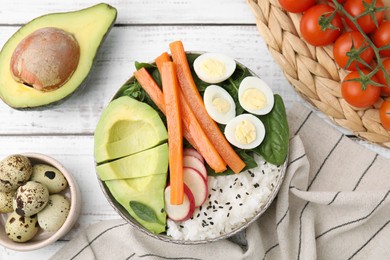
column 20, row 228
column 53, row 216
column 214, row 67
column 15, row 170
column 255, row 96
column 49, row 176
column 30, row 198
column 245, row 131
column 6, row 201
column 219, row 104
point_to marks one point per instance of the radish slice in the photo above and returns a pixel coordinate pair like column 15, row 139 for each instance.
column 193, row 152
column 183, row 211
column 193, row 162
column 197, row 184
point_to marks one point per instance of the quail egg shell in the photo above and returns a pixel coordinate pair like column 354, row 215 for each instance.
column 255, row 96
column 49, row 176
column 6, row 201
column 245, row 131
column 15, row 170
column 214, row 67
column 219, row 104
column 53, row 216
column 30, row 198
column 20, row 228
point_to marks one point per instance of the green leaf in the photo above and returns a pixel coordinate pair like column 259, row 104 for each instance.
column 139, row 65
column 274, row 147
column 144, row 212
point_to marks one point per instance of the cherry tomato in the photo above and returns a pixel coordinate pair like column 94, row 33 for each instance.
column 294, row 6
column 356, row 7
column 382, row 37
column 384, row 114
column 381, row 76
column 342, row 50
column 354, row 94
column 311, row 29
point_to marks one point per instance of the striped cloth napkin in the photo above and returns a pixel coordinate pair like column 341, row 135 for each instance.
column 334, row 204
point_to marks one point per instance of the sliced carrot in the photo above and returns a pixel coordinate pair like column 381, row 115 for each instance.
column 175, row 133
column 195, row 102
column 191, row 125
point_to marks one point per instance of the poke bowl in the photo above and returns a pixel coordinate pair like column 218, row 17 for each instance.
column 139, row 183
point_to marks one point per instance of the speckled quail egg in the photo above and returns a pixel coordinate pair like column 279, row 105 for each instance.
column 255, row 96
column 214, row 67
column 219, row 104
column 15, row 170
column 245, row 131
column 6, row 201
column 53, row 216
column 30, row 198
column 20, row 228
column 49, row 176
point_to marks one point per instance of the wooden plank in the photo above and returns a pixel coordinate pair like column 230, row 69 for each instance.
column 115, row 64
column 138, row 12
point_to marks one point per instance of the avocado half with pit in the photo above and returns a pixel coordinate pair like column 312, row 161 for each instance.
column 47, row 59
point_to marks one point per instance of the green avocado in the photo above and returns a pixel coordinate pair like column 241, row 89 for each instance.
column 126, row 127
column 149, row 162
column 148, row 191
column 88, row 27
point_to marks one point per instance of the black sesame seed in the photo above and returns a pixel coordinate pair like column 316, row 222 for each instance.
column 228, row 214
column 241, row 184
column 214, row 189
column 238, row 195
column 227, row 203
column 221, row 190
column 215, row 210
column 209, row 218
column 231, row 186
column 236, row 179
column 230, row 207
column 209, row 195
column 204, row 213
column 209, row 207
column 215, row 201
column 198, row 215
column 240, row 204
column 221, row 207
column 212, row 223
column 263, row 171
column 213, row 207
column 181, row 226
column 246, row 193
column 256, row 185
column 200, row 208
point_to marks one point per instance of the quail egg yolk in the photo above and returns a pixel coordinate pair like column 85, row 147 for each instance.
column 245, row 132
column 221, row 105
column 254, row 99
column 213, row 67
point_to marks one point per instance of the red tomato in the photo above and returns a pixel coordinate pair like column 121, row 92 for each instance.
column 382, row 37
column 342, row 50
column 311, row 29
column 384, row 114
column 294, row 6
column 381, row 76
column 354, row 94
column 356, row 7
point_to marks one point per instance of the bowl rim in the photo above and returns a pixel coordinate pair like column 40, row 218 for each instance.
column 75, row 202
column 163, row 237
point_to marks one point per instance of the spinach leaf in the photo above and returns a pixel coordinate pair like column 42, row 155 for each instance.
column 274, row 147
column 246, row 156
column 148, row 66
column 144, row 212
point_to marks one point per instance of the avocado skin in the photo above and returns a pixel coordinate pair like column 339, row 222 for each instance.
column 84, row 80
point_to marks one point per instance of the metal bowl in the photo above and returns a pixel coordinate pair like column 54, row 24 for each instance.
column 163, row 237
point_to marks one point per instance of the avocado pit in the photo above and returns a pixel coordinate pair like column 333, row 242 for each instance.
column 45, row 59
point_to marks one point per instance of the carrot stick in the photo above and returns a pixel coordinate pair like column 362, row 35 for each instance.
column 175, row 133
column 195, row 102
column 192, row 126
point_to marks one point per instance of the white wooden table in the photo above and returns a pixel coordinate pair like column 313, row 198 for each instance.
column 143, row 30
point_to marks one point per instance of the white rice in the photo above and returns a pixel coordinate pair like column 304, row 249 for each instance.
column 232, row 201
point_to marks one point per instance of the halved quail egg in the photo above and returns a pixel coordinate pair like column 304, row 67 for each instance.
column 219, row 104
column 214, row 67
column 255, row 96
column 245, row 131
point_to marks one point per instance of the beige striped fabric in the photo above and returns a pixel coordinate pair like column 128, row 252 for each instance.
column 333, row 204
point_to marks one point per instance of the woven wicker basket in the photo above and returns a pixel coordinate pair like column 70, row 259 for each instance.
column 313, row 73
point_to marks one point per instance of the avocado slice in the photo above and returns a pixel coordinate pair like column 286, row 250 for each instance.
column 148, row 162
column 89, row 27
column 127, row 126
column 147, row 190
